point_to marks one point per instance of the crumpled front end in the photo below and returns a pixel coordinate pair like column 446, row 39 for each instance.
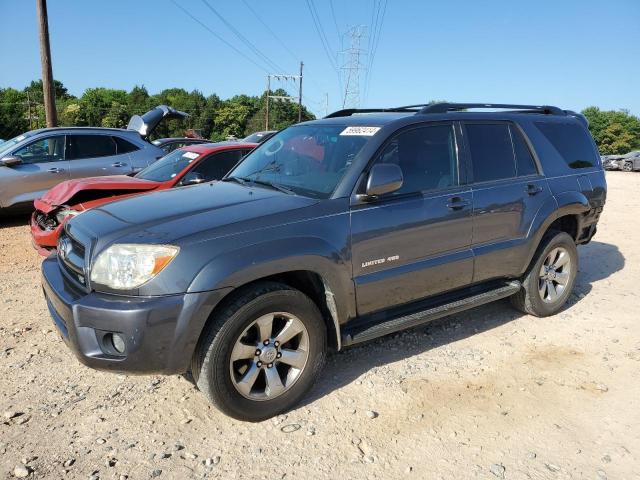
column 46, row 225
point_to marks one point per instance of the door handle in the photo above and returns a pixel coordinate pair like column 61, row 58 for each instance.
column 533, row 189
column 55, row 170
column 456, row 203
column 119, row 164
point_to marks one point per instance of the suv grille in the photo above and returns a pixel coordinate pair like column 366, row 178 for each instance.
column 71, row 256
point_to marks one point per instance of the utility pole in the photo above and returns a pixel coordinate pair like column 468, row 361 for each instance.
column 353, row 67
column 283, row 77
column 300, row 95
column 48, row 88
column 266, row 120
column 326, row 104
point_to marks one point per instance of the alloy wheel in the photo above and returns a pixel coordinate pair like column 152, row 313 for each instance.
column 554, row 275
column 269, row 356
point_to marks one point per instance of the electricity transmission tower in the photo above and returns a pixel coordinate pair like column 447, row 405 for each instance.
column 353, row 66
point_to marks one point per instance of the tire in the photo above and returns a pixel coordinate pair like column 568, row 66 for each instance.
column 238, row 327
column 536, row 298
column 627, row 166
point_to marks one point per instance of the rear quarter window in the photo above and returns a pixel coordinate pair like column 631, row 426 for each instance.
column 572, row 143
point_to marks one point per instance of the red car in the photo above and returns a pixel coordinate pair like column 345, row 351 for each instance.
column 185, row 166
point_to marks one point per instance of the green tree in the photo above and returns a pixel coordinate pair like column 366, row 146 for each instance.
column 117, row 116
column 604, row 125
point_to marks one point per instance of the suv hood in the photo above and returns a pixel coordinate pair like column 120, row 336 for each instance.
column 186, row 214
column 72, row 192
column 145, row 124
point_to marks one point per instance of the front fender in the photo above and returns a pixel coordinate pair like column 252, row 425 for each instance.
column 232, row 269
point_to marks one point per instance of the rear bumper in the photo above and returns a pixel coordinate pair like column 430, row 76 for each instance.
column 160, row 333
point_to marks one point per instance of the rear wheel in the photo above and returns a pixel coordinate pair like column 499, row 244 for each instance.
column 262, row 353
column 551, row 278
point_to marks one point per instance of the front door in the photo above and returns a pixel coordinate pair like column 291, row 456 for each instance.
column 43, row 166
column 92, row 155
column 415, row 242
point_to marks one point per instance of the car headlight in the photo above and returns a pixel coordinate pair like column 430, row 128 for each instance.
column 127, row 266
column 64, row 213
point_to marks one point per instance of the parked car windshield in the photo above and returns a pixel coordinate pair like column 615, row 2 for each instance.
column 168, row 166
column 5, row 146
column 309, row 160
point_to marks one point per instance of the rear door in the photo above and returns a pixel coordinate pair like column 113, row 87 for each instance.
column 92, row 155
column 43, row 166
column 415, row 242
column 508, row 191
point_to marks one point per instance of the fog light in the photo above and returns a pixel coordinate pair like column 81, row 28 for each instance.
column 118, row 342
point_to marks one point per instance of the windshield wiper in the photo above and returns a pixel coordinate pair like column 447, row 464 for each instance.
column 240, row 180
column 273, row 185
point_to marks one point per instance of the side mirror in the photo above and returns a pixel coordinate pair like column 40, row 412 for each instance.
column 383, row 178
column 192, row 178
column 11, row 160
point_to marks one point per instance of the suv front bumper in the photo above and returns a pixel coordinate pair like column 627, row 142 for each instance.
column 160, row 333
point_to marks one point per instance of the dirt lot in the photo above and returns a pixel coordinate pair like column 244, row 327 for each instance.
column 485, row 394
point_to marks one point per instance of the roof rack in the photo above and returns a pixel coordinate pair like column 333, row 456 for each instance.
column 449, row 107
column 347, row 112
column 444, row 107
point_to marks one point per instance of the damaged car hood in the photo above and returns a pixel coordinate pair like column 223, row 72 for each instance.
column 67, row 193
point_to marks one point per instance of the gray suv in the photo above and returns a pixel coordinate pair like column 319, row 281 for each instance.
column 32, row 163
column 331, row 233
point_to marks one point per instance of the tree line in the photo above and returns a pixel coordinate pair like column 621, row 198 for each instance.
column 210, row 116
column 615, row 131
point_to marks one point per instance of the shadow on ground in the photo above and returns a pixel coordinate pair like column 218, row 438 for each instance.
column 14, row 220
column 598, row 261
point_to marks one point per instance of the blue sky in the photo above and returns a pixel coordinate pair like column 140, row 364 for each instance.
column 571, row 53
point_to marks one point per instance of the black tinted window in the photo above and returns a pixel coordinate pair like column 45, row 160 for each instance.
column 123, row 146
column 90, row 146
column 217, row 165
column 572, row 143
column 491, row 152
column 525, row 165
column 426, row 156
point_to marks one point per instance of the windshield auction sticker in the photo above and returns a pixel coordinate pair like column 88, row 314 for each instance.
column 361, row 131
column 191, row 155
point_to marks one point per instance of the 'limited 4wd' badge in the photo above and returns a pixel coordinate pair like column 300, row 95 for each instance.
column 380, row 261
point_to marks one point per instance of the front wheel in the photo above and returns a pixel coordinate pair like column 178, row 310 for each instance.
column 262, row 352
column 550, row 279
column 627, row 166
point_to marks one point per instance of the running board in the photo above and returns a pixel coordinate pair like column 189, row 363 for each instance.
column 369, row 331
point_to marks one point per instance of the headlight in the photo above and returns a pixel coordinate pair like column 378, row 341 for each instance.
column 127, row 266
column 64, row 213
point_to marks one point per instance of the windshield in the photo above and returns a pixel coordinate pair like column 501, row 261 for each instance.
column 308, row 159
column 6, row 146
column 168, row 166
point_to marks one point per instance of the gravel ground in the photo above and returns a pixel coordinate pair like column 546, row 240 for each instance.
column 489, row 393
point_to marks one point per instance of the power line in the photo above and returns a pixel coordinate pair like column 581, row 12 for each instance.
column 335, row 22
column 320, row 32
column 239, row 52
column 374, row 48
column 242, row 38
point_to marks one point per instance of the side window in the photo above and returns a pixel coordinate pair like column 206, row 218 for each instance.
column 525, row 164
column 217, row 165
column 50, row 149
column 124, row 146
column 426, row 156
column 90, row 146
column 572, row 143
column 491, row 151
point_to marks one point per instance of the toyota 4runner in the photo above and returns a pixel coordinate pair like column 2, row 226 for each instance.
column 331, row 233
